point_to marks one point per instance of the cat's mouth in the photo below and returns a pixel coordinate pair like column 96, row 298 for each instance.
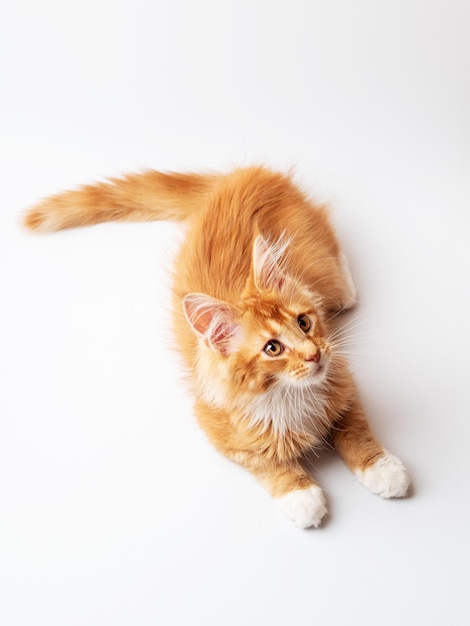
column 315, row 374
column 319, row 371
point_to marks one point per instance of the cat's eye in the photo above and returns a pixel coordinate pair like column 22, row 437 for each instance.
column 304, row 322
column 273, row 348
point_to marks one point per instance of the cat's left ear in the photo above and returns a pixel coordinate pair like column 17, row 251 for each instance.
column 212, row 319
column 267, row 263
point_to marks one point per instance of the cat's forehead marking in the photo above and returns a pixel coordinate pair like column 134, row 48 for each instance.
column 273, row 329
column 270, row 311
column 274, row 313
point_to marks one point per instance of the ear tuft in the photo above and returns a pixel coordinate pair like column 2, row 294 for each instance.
column 268, row 272
column 212, row 319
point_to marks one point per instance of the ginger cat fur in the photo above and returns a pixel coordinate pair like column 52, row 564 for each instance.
column 256, row 282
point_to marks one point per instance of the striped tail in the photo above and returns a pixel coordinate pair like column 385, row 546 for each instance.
column 141, row 197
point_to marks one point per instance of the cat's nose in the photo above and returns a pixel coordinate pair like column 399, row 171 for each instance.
column 314, row 357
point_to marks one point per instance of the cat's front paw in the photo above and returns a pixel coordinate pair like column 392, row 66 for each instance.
column 306, row 507
column 387, row 477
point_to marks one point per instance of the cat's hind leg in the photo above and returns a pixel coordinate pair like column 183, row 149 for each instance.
column 348, row 297
column 341, row 292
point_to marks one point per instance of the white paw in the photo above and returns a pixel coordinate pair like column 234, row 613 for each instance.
column 387, row 477
column 306, row 507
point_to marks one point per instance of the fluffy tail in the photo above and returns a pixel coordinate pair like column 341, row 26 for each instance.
column 136, row 197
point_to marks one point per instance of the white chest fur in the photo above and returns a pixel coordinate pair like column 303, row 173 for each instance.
column 289, row 407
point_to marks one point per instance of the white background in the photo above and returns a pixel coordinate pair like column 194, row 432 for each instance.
column 114, row 509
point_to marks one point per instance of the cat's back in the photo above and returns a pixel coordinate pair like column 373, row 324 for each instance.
column 216, row 255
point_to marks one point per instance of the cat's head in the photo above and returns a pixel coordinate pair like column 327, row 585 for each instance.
column 275, row 334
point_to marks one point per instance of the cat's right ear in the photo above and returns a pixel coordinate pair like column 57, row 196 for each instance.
column 213, row 320
column 268, row 272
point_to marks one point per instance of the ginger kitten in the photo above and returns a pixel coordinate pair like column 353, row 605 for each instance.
column 257, row 279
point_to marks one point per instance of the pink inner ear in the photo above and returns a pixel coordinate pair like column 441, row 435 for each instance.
column 212, row 319
column 267, row 270
column 220, row 337
column 202, row 320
